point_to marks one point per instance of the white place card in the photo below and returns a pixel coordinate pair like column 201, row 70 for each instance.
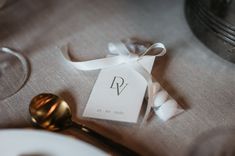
column 118, row 93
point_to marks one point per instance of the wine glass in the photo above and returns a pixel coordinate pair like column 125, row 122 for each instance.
column 13, row 72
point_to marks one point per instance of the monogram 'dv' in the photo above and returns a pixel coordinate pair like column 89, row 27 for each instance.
column 119, row 84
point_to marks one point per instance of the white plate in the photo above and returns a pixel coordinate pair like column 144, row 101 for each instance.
column 17, row 142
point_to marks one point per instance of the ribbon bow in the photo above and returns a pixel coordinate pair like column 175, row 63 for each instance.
column 158, row 99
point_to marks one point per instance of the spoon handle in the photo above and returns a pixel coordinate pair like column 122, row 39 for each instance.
column 123, row 150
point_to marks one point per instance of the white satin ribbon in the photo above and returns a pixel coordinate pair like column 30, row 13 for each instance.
column 120, row 54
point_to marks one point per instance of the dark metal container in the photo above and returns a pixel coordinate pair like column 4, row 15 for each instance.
column 213, row 22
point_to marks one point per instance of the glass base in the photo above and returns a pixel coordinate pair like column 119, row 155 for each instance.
column 13, row 72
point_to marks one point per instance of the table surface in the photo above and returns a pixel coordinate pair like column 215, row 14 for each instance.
column 201, row 82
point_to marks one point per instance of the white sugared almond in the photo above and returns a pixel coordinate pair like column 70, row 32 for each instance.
column 160, row 98
column 168, row 110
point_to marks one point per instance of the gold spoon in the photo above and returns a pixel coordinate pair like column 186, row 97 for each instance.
column 51, row 112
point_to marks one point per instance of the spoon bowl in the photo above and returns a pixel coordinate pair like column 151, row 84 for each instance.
column 51, row 112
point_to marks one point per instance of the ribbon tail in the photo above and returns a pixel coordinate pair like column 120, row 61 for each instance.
column 149, row 105
column 150, row 95
column 95, row 64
